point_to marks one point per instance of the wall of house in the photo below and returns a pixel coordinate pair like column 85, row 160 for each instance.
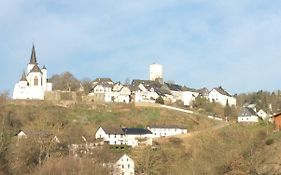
column 162, row 132
column 248, row 118
column 222, row 99
column 124, row 166
column 277, row 123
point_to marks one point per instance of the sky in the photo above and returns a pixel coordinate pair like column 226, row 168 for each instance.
column 235, row 44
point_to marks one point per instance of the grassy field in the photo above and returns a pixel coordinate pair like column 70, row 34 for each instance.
column 210, row 149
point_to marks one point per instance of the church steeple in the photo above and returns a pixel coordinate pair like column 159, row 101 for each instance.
column 23, row 77
column 33, row 59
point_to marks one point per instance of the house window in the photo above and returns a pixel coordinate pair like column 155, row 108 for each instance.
column 122, row 166
column 108, row 135
column 36, row 81
column 115, row 136
column 128, row 166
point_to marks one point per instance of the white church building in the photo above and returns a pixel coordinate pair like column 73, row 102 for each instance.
column 33, row 83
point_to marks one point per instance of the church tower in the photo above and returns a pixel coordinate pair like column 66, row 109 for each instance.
column 33, row 83
column 33, row 60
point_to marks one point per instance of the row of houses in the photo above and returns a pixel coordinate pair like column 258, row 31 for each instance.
column 136, row 136
column 105, row 90
column 116, row 136
column 249, row 114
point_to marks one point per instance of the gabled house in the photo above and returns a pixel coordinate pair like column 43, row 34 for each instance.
column 111, row 135
column 247, row 115
column 121, row 93
column 145, row 90
column 21, row 135
column 203, row 92
column 221, row 96
column 262, row 114
column 124, row 136
column 182, row 93
column 166, row 130
column 120, row 165
column 124, row 166
column 101, row 90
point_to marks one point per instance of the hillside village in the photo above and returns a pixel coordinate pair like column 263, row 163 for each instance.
column 125, row 139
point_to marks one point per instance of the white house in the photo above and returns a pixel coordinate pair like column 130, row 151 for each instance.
column 124, row 136
column 111, row 135
column 33, row 83
column 182, row 93
column 166, row 130
column 121, row 93
column 101, row 90
column 262, row 114
column 145, row 90
column 124, row 166
column 21, row 135
column 247, row 115
column 221, row 96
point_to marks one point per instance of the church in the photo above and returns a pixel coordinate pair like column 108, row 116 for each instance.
column 33, row 83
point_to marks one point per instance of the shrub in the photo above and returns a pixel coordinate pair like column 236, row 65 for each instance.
column 269, row 141
column 160, row 100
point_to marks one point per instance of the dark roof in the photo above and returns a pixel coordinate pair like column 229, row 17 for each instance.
column 222, row 91
column 36, row 69
column 245, row 111
column 23, row 77
column 103, row 80
column 44, row 67
column 203, row 91
column 276, row 115
column 112, row 130
column 174, row 87
column 165, row 126
column 136, row 131
column 148, row 84
column 33, row 59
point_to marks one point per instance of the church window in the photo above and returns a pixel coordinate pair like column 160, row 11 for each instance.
column 35, row 81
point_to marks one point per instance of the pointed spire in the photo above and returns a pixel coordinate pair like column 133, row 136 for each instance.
column 23, row 77
column 33, row 59
column 44, row 67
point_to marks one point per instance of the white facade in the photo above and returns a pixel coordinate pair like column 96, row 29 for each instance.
column 121, row 94
column 21, row 135
column 121, row 138
column 145, row 95
column 188, row 97
column 163, row 131
column 218, row 97
column 250, row 118
column 124, row 166
column 262, row 114
column 33, row 83
column 155, row 72
column 104, row 91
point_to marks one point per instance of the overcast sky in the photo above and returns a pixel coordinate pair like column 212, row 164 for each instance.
column 200, row 43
